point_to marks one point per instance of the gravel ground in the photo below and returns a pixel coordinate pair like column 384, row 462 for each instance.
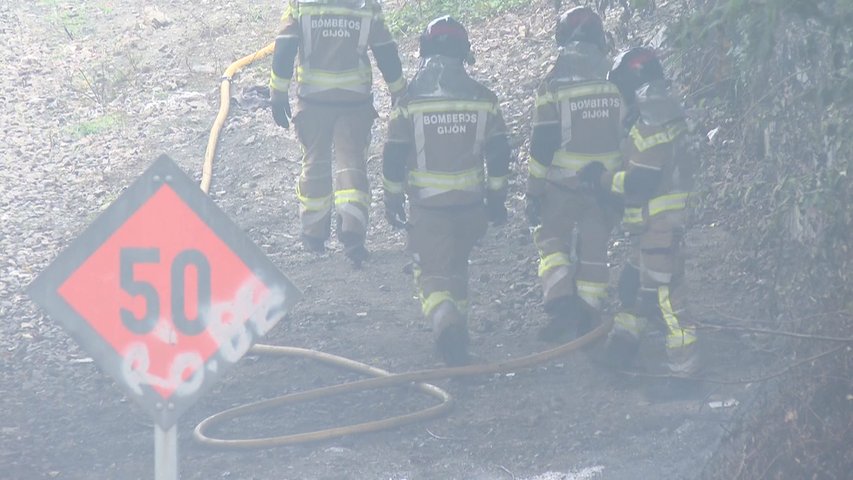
column 98, row 89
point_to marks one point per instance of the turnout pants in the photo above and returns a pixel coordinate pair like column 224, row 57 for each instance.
column 345, row 130
column 652, row 289
column 441, row 240
column 572, row 244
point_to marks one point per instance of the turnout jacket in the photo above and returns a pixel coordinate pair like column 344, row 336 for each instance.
column 657, row 175
column 439, row 133
column 331, row 38
column 576, row 119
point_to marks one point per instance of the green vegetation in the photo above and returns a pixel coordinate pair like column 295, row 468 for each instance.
column 775, row 77
column 259, row 14
column 97, row 125
column 781, row 68
column 413, row 15
column 73, row 18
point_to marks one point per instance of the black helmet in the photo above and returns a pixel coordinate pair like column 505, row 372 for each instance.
column 580, row 24
column 634, row 68
column 445, row 36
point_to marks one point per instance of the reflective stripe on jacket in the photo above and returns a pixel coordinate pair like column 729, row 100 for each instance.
column 334, row 38
column 655, row 148
column 447, row 127
column 576, row 97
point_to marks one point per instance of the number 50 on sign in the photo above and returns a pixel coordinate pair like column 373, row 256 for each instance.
column 164, row 291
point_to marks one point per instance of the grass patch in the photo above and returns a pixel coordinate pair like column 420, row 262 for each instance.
column 96, row 125
column 76, row 19
column 413, row 15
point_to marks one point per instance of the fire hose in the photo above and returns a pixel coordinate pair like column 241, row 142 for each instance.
column 381, row 378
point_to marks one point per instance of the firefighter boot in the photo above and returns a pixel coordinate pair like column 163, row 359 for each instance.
column 314, row 244
column 563, row 316
column 587, row 319
column 623, row 342
column 354, row 248
column 621, row 347
column 683, row 364
column 682, row 360
column 452, row 341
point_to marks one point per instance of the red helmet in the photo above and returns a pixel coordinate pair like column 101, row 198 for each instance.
column 634, row 68
column 580, row 24
column 445, row 36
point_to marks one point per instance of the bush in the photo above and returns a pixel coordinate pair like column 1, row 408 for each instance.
column 775, row 76
column 413, row 15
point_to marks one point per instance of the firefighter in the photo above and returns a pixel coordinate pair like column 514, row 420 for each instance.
column 334, row 109
column 576, row 122
column 440, row 132
column 655, row 182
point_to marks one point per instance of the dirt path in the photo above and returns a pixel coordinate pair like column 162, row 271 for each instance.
column 99, row 89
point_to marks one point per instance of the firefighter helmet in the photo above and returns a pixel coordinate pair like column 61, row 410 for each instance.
column 445, row 36
column 634, row 68
column 580, row 24
column 657, row 105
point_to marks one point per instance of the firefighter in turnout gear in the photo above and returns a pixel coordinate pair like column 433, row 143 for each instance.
column 655, row 182
column 334, row 109
column 576, row 122
column 440, row 132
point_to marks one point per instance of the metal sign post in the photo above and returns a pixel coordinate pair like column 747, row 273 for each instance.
column 165, row 453
column 164, row 292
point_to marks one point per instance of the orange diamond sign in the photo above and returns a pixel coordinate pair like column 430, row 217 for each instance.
column 164, row 291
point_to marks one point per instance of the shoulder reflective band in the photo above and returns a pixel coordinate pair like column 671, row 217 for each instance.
column 644, row 143
column 577, row 91
column 575, row 161
column 288, row 13
column 449, row 106
column 278, row 83
column 536, row 169
column 392, row 187
column 618, row 184
column 665, row 203
column 398, row 112
column 544, row 99
column 312, row 10
column 397, row 85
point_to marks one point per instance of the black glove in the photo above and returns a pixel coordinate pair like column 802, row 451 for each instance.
column 590, row 176
column 496, row 209
column 280, row 105
column 395, row 210
column 533, row 210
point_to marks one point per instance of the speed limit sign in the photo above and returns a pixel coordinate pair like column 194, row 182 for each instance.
column 164, row 291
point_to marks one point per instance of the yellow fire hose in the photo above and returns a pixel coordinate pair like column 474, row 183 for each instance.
column 381, row 378
column 224, row 105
